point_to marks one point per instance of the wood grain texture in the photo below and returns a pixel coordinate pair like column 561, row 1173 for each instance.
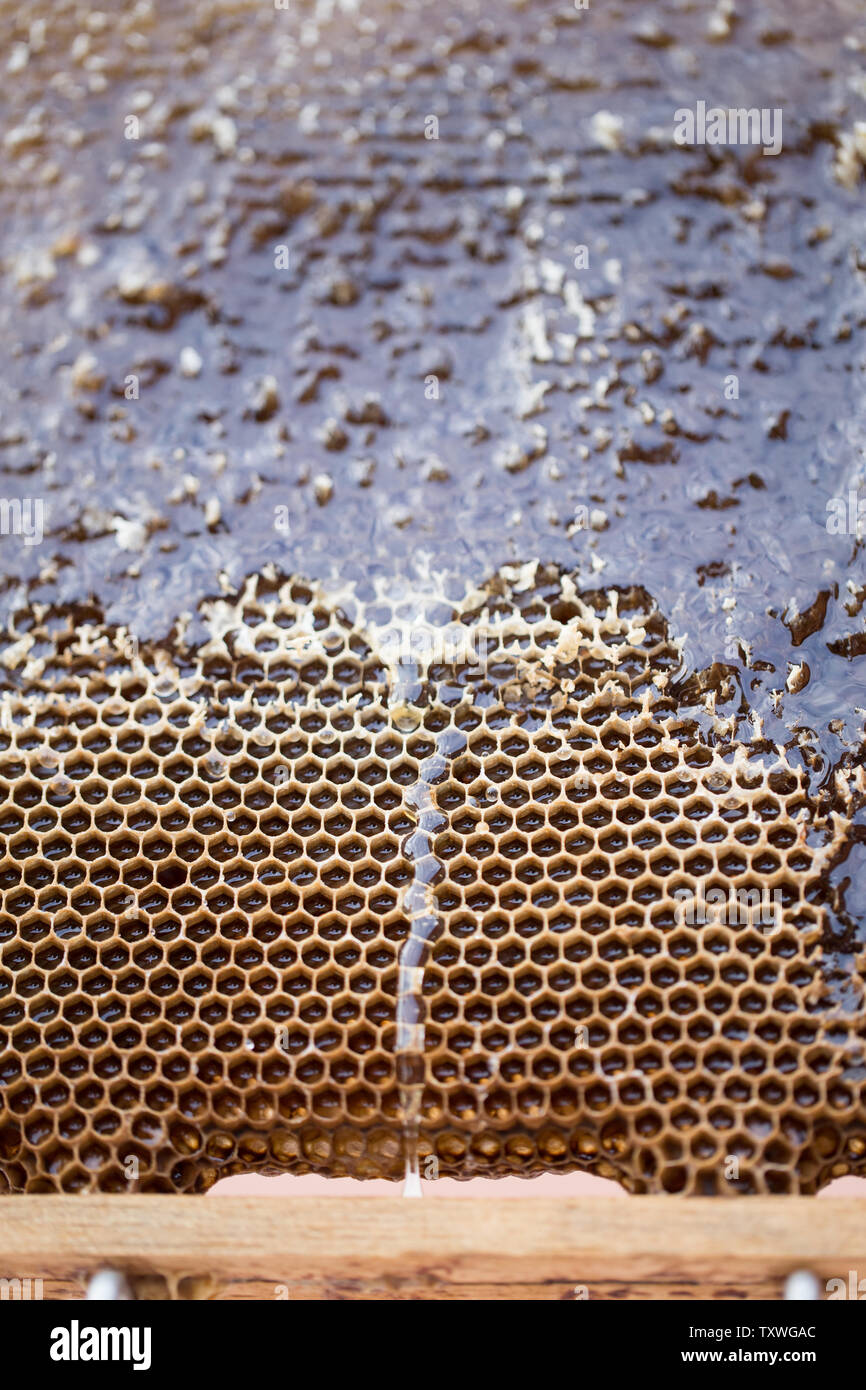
column 451, row 1248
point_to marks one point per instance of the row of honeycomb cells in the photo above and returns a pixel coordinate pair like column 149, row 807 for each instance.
column 205, row 858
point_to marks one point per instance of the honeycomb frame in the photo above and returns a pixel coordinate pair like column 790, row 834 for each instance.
column 210, row 855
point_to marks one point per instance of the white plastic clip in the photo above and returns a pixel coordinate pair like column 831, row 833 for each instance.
column 108, row 1286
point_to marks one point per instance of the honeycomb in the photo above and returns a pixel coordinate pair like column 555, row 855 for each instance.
column 351, row 888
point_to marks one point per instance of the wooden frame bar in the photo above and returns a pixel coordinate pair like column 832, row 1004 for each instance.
column 440, row 1248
